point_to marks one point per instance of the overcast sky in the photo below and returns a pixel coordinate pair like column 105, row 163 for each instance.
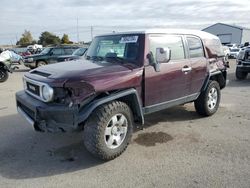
column 60, row 16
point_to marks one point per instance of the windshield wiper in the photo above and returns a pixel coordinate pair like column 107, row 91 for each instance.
column 120, row 59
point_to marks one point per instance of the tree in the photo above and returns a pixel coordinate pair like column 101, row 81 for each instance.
column 48, row 38
column 26, row 39
column 65, row 39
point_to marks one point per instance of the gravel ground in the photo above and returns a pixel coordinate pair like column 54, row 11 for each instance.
column 177, row 148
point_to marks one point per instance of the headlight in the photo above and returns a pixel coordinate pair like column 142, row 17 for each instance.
column 47, row 93
column 30, row 59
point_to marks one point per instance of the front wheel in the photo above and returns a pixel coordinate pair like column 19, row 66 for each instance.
column 208, row 101
column 108, row 130
column 41, row 63
column 4, row 75
column 240, row 75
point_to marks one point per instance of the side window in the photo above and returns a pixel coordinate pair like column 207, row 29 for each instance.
column 68, row 51
column 173, row 42
column 195, row 47
column 57, row 51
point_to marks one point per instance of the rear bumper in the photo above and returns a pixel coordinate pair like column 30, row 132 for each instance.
column 46, row 117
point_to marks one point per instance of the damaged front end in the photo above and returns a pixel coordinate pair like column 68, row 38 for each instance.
column 61, row 113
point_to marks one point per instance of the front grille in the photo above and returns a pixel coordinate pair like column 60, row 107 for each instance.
column 35, row 89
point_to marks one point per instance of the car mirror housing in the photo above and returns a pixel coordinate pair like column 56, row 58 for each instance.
column 163, row 55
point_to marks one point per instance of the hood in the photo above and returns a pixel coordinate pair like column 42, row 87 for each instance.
column 81, row 68
column 100, row 76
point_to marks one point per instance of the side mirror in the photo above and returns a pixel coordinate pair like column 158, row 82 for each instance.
column 51, row 53
column 163, row 55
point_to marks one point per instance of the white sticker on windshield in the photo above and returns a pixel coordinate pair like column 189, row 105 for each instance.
column 129, row 39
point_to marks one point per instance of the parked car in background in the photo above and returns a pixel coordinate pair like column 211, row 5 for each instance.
column 243, row 63
column 234, row 52
column 226, row 52
column 48, row 55
column 232, row 45
column 7, row 58
column 77, row 54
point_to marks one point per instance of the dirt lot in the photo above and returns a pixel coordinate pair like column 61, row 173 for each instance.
column 177, row 148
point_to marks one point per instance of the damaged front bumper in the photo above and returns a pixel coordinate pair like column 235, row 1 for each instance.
column 47, row 117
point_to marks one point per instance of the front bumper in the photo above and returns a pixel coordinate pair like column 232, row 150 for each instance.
column 47, row 117
column 29, row 64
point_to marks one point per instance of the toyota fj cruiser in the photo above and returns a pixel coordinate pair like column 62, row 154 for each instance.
column 123, row 77
column 243, row 63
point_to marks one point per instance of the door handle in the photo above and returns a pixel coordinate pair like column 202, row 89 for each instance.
column 186, row 69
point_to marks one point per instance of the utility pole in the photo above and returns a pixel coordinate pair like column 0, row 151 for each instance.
column 77, row 29
column 91, row 32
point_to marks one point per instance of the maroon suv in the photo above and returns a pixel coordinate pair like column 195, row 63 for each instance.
column 123, row 77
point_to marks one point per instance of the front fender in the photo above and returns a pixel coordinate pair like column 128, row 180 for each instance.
column 129, row 96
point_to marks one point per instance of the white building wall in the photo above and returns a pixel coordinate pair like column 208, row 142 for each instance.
column 227, row 34
column 245, row 36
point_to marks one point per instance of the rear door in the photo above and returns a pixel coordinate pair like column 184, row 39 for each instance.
column 172, row 82
column 198, row 62
column 68, row 51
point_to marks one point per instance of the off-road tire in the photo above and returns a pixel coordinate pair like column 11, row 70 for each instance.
column 94, row 130
column 201, row 104
column 240, row 75
column 4, row 75
column 40, row 63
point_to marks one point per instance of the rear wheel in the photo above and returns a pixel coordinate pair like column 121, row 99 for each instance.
column 240, row 75
column 108, row 130
column 208, row 101
column 4, row 75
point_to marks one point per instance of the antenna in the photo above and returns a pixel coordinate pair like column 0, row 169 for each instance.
column 91, row 32
column 77, row 29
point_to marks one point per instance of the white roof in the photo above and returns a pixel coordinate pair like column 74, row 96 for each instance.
column 201, row 34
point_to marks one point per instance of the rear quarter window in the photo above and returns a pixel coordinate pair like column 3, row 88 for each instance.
column 195, row 47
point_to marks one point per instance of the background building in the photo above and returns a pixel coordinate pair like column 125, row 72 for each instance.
column 229, row 33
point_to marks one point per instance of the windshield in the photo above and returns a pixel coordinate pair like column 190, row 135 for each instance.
column 118, row 47
column 80, row 51
column 45, row 50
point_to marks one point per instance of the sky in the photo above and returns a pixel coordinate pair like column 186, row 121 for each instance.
column 60, row 16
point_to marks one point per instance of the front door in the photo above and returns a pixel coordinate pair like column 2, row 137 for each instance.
column 54, row 55
column 172, row 83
